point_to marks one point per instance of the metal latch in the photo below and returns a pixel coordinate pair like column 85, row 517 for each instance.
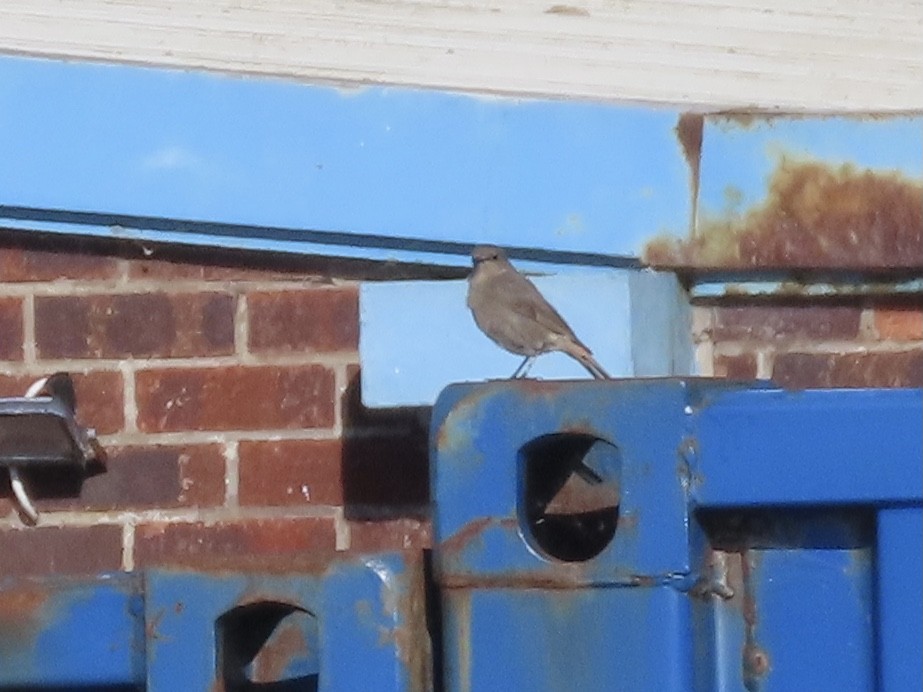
column 39, row 430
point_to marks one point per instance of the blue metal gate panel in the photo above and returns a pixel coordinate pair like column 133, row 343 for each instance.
column 358, row 625
column 811, row 447
column 900, row 597
column 764, row 539
column 577, row 639
column 55, row 632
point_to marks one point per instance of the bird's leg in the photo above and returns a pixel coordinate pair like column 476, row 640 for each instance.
column 523, row 368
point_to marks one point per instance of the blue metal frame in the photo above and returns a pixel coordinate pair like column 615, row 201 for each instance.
column 158, row 155
column 765, row 539
column 378, row 173
column 363, row 628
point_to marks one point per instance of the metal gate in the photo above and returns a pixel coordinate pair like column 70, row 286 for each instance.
column 627, row 535
column 678, row 535
column 357, row 626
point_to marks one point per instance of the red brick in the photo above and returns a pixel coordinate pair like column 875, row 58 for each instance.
column 60, row 550
column 756, row 322
column 391, row 534
column 100, row 397
column 900, row 324
column 134, row 325
column 11, row 329
column 803, row 370
column 386, row 472
column 283, row 543
column 136, row 478
column 290, row 472
column 19, row 265
column 741, row 367
column 235, row 398
column 313, row 319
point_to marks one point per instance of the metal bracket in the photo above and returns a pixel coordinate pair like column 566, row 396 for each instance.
column 39, row 429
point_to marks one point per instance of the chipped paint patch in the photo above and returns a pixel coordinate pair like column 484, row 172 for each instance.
column 814, row 216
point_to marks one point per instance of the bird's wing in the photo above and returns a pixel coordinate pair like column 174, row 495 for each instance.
column 523, row 298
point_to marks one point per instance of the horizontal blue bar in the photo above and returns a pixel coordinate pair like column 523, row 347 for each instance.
column 740, row 156
column 764, row 447
column 301, row 163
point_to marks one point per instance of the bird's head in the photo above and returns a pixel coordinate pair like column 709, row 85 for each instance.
column 486, row 253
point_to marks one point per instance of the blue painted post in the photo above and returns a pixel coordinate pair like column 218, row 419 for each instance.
column 734, row 538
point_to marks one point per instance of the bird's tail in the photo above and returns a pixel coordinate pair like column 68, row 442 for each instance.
column 594, row 368
column 582, row 355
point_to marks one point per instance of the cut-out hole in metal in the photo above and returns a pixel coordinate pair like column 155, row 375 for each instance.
column 267, row 646
column 569, row 495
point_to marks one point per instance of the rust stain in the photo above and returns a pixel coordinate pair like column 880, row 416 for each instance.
column 581, row 426
column 545, row 389
column 472, row 531
column 451, row 434
column 644, row 580
column 689, row 131
column 565, row 577
column 411, row 636
column 20, row 605
column 23, row 616
column 746, row 119
column 568, row 10
column 152, row 625
column 815, row 216
column 755, row 662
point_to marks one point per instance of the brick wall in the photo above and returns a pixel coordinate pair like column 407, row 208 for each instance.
column 872, row 342
column 225, row 391
column 226, row 395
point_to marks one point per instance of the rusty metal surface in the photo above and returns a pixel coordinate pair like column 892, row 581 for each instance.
column 802, row 193
column 172, row 630
column 779, row 496
column 54, row 632
column 487, row 529
column 375, row 636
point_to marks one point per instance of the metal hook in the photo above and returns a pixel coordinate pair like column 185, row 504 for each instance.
column 16, row 482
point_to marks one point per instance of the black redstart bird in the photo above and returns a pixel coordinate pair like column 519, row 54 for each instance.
column 509, row 309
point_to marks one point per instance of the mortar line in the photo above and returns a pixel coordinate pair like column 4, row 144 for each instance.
column 231, row 453
column 128, row 546
column 242, row 326
column 29, row 350
column 130, row 404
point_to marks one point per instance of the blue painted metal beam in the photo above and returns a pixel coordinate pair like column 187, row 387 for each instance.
column 739, row 155
column 154, row 154
column 59, row 632
column 810, row 447
column 358, row 625
column 899, row 584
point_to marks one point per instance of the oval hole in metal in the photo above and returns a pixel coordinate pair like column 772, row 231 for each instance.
column 267, row 645
column 569, row 495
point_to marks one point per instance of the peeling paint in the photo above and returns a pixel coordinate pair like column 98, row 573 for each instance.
column 690, row 129
column 815, row 216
